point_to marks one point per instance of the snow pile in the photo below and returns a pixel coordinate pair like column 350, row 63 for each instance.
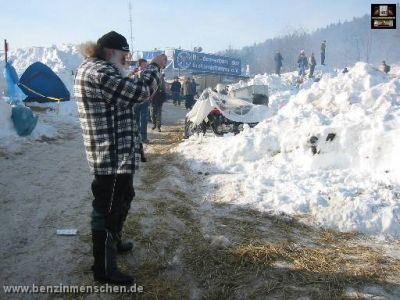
column 63, row 60
column 331, row 152
column 281, row 88
column 274, row 82
column 7, row 127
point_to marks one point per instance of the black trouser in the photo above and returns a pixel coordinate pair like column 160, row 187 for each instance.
column 156, row 111
column 176, row 98
column 278, row 70
column 312, row 67
column 112, row 200
column 189, row 101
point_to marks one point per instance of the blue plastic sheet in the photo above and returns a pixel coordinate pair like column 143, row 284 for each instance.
column 24, row 119
column 14, row 93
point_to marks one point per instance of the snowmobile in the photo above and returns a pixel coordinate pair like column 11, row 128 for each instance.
column 223, row 114
column 215, row 121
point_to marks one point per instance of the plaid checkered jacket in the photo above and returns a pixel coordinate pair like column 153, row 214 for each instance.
column 105, row 104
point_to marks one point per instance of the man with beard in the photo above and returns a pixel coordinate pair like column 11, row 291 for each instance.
column 105, row 98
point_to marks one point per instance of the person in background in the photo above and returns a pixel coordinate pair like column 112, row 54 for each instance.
column 345, row 70
column 313, row 63
column 141, row 65
column 302, row 63
column 141, row 110
column 105, row 96
column 194, row 91
column 384, row 67
column 187, row 92
column 156, row 104
column 323, row 48
column 176, row 90
column 278, row 63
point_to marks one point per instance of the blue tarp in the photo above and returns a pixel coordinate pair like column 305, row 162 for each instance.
column 41, row 84
column 13, row 91
column 24, row 120
column 11, row 72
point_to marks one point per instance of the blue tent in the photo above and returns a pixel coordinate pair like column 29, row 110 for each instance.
column 41, row 84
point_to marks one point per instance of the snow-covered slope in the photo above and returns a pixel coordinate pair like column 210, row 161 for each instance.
column 352, row 183
column 63, row 60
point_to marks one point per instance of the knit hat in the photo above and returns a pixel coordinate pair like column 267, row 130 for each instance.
column 113, row 40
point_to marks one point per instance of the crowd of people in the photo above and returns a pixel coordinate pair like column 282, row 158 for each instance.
column 151, row 109
column 187, row 90
column 305, row 63
column 302, row 61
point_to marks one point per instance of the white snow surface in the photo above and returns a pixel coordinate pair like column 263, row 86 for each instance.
column 351, row 184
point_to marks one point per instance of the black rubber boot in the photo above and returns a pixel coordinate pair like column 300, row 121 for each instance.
column 105, row 268
column 123, row 246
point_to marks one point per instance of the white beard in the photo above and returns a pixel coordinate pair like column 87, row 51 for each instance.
column 121, row 68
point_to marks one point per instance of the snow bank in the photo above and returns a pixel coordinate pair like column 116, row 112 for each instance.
column 7, row 127
column 63, row 60
column 350, row 121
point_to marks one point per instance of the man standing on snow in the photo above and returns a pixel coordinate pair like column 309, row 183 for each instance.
column 278, row 63
column 302, row 63
column 313, row 63
column 105, row 97
column 384, row 67
column 323, row 48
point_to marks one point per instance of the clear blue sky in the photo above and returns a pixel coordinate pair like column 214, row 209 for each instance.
column 212, row 24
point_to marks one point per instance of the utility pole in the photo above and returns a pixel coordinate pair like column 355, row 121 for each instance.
column 130, row 22
column 5, row 49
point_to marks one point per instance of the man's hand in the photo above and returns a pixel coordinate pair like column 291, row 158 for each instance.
column 160, row 60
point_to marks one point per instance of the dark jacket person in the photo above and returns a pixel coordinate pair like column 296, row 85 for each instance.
column 175, row 90
column 278, row 63
column 156, row 105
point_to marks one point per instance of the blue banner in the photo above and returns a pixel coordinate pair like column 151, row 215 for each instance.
column 149, row 55
column 202, row 62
